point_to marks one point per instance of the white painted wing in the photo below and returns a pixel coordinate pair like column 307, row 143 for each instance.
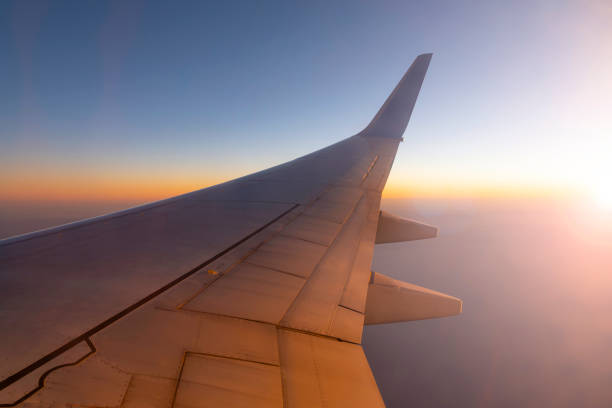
column 249, row 293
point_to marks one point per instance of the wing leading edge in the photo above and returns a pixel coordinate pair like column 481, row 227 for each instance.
column 249, row 293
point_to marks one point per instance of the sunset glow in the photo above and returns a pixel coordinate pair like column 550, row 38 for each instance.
column 602, row 194
column 109, row 105
column 501, row 113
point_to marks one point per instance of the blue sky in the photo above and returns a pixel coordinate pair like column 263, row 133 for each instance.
column 103, row 94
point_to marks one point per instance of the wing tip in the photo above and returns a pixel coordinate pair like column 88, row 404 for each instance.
column 392, row 118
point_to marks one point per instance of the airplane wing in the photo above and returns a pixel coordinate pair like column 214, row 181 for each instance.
column 250, row 293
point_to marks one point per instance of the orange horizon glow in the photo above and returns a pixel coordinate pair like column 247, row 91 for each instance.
column 134, row 189
column 102, row 189
column 475, row 190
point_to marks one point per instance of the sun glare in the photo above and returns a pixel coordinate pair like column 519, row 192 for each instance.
column 599, row 188
column 603, row 196
column 595, row 176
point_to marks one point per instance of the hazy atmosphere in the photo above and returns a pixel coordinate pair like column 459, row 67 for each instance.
column 535, row 330
column 108, row 105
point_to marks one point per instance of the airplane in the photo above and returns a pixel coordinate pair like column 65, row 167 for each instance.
column 250, row 293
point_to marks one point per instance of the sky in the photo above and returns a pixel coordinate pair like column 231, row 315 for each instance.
column 137, row 101
column 111, row 104
column 535, row 329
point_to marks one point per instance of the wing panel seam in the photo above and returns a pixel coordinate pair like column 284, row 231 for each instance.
column 67, row 346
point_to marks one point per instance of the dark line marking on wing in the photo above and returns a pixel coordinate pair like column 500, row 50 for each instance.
column 367, row 173
column 85, row 336
column 41, row 380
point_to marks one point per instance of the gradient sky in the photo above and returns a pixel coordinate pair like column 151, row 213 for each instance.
column 140, row 101
column 110, row 104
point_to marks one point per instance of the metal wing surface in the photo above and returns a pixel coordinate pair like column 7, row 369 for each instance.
column 249, row 293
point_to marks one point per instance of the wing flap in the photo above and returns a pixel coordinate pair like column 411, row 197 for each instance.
column 346, row 324
column 355, row 291
column 289, row 255
column 212, row 381
column 322, row 372
column 313, row 310
column 249, row 292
